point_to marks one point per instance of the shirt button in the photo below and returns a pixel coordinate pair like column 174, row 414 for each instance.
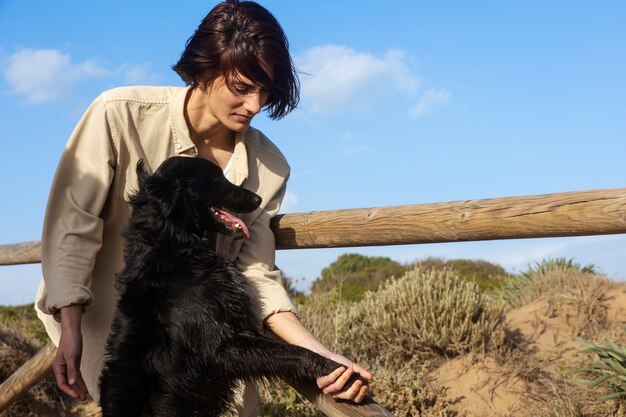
column 178, row 145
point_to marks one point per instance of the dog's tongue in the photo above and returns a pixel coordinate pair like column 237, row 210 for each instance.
column 231, row 221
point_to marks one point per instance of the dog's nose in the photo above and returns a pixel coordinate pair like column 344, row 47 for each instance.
column 257, row 200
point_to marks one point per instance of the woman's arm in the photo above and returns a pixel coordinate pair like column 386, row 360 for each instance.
column 289, row 328
column 72, row 236
column 256, row 260
column 66, row 364
column 72, row 229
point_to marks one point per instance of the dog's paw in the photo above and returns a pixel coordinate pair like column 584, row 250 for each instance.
column 356, row 377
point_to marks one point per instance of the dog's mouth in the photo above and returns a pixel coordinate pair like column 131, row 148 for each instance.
column 230, row 221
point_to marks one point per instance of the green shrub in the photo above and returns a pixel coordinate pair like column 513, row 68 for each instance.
column 356, row 274
column 422, row 314
column 350, row 263
column 608, row 370
column 548, row 265
column 398, row 333
column 488, row 276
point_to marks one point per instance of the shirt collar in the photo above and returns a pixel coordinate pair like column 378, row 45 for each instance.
column 184, row 145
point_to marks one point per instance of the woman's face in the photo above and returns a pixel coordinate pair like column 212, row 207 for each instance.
column 235, row 109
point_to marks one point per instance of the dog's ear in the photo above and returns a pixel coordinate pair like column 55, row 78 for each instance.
column 142, row 173
column 154, row 187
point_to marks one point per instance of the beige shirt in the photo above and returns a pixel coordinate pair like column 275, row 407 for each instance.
column 87, row 211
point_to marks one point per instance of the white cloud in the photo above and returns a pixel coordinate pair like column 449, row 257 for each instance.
column 341, row 78
column 430, row 101
column 44, row 75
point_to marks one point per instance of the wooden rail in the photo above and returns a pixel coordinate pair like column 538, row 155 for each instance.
column 578, row 213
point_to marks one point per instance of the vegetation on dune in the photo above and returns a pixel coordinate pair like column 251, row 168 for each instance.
column 549, row 276
column 23, row 320
column 551, row 264
column 352, row 275
column 422, row 314
column 404, row 322
column 606, row 368
column 563, row 284
column 399, row 332
column 21, row 336
column 488, row 276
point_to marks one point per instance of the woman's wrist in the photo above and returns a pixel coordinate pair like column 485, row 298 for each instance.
column 288, row 327
column 71, row 317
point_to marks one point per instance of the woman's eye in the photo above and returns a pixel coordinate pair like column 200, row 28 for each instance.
column 243, row 89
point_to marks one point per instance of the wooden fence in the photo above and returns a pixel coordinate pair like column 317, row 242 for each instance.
column 580, row 213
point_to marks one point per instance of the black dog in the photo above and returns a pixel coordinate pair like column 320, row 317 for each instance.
column 184, row 333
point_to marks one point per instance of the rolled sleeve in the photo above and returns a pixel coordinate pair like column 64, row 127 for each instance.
column 256, row 260
column 72, row 232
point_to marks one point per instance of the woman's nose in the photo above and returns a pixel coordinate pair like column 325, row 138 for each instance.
column 252, row 103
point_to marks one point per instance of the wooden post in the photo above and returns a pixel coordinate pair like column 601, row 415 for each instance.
column 33, row 371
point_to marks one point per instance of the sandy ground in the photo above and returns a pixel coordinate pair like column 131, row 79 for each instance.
column 479, row 386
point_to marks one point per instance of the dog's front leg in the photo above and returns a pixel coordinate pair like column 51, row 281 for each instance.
column 256, row 356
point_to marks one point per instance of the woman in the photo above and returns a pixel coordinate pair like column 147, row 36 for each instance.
column 236, row 64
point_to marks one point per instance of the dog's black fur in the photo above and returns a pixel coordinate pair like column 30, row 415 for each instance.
column 184, row 332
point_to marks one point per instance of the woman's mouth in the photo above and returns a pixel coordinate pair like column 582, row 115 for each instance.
column 242, row 118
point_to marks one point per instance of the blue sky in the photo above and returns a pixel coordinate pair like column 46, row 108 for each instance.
column 403, row 102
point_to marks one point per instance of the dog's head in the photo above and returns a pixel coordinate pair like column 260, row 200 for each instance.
column 193, row 196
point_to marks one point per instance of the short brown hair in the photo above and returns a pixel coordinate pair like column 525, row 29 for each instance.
column 242, row 38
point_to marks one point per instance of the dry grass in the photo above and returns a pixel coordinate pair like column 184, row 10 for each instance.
column 579, row 299
column 43, row 399
column 407, row 330
column 561, row 398
column 580, row 296
column 405, row 391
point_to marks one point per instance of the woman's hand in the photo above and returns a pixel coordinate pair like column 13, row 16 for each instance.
column 287, row 326
column 66, row 364
column 334, row 384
